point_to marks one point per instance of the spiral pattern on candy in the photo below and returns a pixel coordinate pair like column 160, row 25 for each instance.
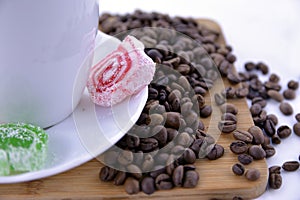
column 124, row 72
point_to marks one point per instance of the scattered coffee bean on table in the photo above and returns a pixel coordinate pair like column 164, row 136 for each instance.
column 286, row 108
column 252, row 174
column 284, row 131
column 238, row 169
column 290, row 166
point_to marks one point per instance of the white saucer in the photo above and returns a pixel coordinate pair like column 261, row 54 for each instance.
column 88, row 132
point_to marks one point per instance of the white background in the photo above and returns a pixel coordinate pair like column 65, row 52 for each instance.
column 258, row 30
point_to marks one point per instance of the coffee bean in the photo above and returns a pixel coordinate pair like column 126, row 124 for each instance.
column 273, row 118
column 269, row 128
column 219, row 99
column 120, row 178
column 289, row 94
column 172, row 134
column 284, row 131
column 189, row 156
column 294, row 85
column 296, row 128
column 270, row 150
column 148, row 185
column 205, row 111
column 132, row 186
column 238, row 169
column 184, row 139
column 238, row 147
column 272, row 86
column 242, row 92
column 275, row 180
column 172, row 120
column 229, row 93
column 244, row 136
column 258, row 136
column 290, row 166
column 252, row 174
column 148, row 163
column 125, row 158
column 259, row 100
column 255, row 109
column 276, row 139
column 274, row 78
column 275, row 95
column 249, row 66
column 260, row 119
column 191, row 179
column 229, row 117
column 216, row 152
column 163, row 182
column 178, row 175
column 229, row 108
column 227, row 126
column 274, row 169
column 245, row 159
column 297, row 117
column 134, row 170
column 262, row 67
column 155, row 119
column 148, row 144
column 257, row 152
column 286, row 108
column 107, row 174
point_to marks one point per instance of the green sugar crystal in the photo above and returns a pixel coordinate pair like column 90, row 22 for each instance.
column 23, row 148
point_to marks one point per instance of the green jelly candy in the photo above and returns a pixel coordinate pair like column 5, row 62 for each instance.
column 23, row 148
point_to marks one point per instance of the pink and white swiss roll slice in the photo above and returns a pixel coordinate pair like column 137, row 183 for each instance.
column 122, row 73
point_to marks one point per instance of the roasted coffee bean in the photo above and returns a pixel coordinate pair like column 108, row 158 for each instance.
column 260, row 119
column 134, row 170
column 219, row 99
column 189, row 156
column 274, row 169
column 229, row 93
column 249, row 66
column 178, row 175
column 216, row 152
column 132, row 186
column 245, row 159
column 270, row 150
column 148, row 185
column 200, row 99
column 297, row 117
column 255, row 109
column 284, row 131
column 172, row 134
column 205, row 111
column 163, row 182
column 125, row 158
column 148, row 163
column 290, row 166
column 238, row 169
column 273, row 118
column 258, row 136
column 155, row 119
column 238, row 147
column 172, row 120
column 259, row 100
column 289, row 94
column 276, row 139
column 269, row 128
column 229, row 117
column 252, row 174
column 286, row 108
column 160, row 134
column 275, row 95
column 184, row 139
column 272, row 86
column 229, row 108
column 274, row 78
column 262, row 67
column 227, row 126
column 244, row 136
column 148, row 144
column 257, row 152
column 294, row 85
column 191, row 179
column 196, row 145
column 120, row 178
column 178, row 150
column 200, row 90
column 107, row 174
column 275, row 180
column 296, row 128
column 242, row 92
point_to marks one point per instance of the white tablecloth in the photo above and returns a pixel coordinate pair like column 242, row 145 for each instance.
column 266, row 31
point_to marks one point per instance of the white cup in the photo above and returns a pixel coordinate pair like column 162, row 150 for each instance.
column 46, row 49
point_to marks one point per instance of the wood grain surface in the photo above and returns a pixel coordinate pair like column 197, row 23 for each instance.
column 216, row 178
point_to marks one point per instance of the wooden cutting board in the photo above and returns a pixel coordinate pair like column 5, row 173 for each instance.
column 216, row 178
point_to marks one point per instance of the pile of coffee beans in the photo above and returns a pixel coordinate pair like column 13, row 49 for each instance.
column 159, row 152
